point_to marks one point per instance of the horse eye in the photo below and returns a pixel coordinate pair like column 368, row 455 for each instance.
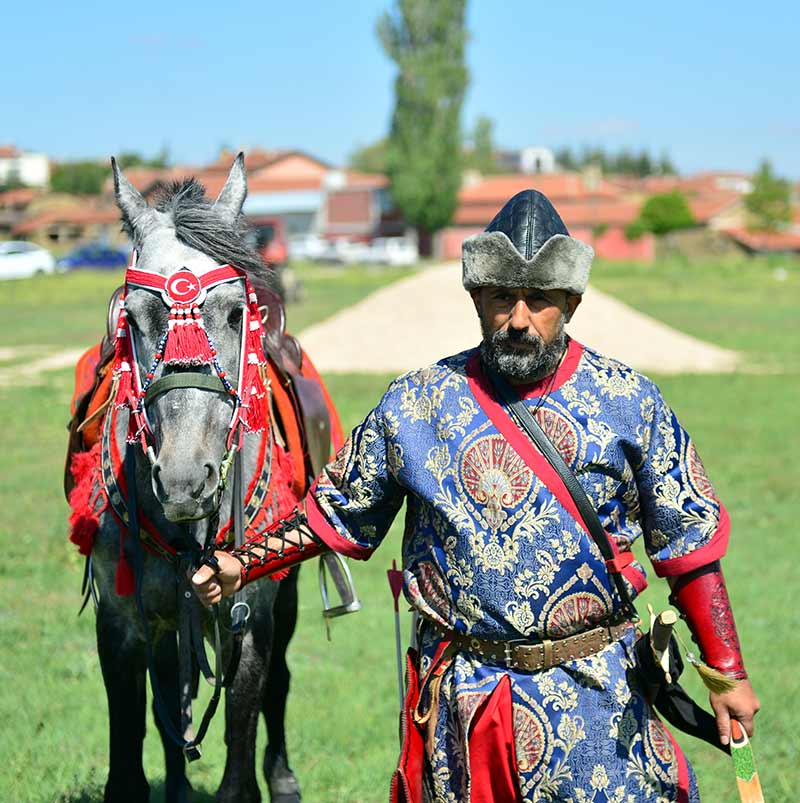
column 235, row 317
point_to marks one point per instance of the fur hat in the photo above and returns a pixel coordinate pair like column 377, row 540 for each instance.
column 526, row 245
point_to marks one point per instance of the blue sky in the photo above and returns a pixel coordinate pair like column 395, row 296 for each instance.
column 714, row 84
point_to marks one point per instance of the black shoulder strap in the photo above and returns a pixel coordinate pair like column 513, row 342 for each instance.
column 529, row 425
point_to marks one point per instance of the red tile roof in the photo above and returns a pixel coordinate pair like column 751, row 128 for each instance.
column 21, row 196
column 709, row 205
column 8, row 151
column 498, row 189
column 573, row 213
column 766, row 240
column 82, row 215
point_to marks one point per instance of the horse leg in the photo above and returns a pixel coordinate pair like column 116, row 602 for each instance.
column 177, row 788
column 283, row 785
column 122, row 661
column 242, row 699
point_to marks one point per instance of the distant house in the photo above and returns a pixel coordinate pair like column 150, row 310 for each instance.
column 13, row 204
column 593, row 209
column 63, row 220
column 21, row 167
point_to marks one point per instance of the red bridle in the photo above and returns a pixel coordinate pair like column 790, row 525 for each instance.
column 186, row 343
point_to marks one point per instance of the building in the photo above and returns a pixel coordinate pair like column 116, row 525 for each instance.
column 19, row 168
column 593, row 209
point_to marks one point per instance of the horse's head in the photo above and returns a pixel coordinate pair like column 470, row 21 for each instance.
column 187, row 401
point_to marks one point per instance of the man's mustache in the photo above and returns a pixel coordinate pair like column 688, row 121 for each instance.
column 517, row 336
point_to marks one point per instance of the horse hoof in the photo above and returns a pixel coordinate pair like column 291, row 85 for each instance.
column 284, row 789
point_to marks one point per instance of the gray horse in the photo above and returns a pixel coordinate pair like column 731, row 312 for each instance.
column 190, row 425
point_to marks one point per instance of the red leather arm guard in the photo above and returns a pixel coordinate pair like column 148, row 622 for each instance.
column 702, row 599
column 261, row 555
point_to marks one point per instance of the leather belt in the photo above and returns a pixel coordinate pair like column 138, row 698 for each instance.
column 532, row 656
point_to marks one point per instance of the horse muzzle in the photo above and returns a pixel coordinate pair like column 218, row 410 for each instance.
column 186, row 491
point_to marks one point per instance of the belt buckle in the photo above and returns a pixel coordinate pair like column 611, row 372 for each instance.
column 511, row 646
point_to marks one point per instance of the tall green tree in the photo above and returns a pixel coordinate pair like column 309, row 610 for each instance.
column 482, row 154
column 770, row 201
column 426, row 40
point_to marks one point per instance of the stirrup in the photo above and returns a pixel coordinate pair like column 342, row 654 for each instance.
column 342, row 580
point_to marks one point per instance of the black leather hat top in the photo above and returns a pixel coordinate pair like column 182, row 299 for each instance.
column 529, row 220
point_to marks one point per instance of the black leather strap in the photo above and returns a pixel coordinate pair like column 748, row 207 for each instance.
column 528, row 424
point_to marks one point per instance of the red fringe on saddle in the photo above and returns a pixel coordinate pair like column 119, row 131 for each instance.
column 87, row 499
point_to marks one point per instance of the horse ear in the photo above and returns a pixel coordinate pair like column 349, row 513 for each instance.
column 130, row 201
column 231, row 198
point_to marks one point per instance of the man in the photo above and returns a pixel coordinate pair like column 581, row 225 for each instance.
column 527, row 687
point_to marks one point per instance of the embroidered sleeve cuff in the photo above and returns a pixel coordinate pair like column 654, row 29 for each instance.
column 323, row 529
column 708, row 553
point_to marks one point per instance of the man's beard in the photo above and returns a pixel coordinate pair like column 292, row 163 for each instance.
column 520, row 366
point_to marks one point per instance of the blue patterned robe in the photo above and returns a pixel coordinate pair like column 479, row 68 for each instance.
column 492, row 548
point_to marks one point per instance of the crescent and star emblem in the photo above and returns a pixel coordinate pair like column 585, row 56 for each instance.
column 183, row 287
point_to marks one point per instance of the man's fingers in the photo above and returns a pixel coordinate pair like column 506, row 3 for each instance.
column 723, row 724
column 202, row 575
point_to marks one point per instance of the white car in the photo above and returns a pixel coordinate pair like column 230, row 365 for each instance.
column 19, row 260
column 394, row 251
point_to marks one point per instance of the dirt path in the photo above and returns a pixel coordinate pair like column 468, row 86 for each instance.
column 416, row 321
column 30, row 373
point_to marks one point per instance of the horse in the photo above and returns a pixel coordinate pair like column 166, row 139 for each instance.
column 171, row 486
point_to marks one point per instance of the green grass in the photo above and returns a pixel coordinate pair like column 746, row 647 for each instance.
column 342, row 726
column 746, row 305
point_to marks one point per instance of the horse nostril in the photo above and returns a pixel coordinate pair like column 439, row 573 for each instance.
column 210, row 482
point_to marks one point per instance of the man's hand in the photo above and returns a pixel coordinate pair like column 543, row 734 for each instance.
column 211, row 586
column 741, row 703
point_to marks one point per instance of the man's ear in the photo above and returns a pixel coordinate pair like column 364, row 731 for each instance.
column 573, row 302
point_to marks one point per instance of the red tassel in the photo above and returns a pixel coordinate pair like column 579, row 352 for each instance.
column 187, row 342
column 281, row 575
column 124, row 385
column 174, row 350
column 252, row 393
column 124, row 583
column 85, row 518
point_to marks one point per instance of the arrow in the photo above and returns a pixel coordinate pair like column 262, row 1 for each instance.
column 396, row 584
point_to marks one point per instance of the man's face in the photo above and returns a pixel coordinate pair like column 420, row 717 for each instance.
column 523, row 329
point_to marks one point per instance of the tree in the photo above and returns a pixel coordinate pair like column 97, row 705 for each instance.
column 78, row 178
column 371, row 158
column 426, row 39
column 769, row 202
column 661, row 213
column 134, row 159
column 482, row 156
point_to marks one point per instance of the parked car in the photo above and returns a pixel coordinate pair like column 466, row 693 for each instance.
column 19, row 260
column 394, row 251
column 95, row 255
column 312, row 247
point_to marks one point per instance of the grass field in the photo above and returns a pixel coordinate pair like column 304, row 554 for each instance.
column 342, row 711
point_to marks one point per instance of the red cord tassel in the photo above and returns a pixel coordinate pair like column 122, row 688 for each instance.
column 187, row 342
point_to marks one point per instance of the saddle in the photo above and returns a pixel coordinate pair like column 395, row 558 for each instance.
column 304, row 415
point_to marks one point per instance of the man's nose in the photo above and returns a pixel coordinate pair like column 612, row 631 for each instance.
column 520, row 319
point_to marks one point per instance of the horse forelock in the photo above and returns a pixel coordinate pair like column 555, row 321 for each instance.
column 198, row 225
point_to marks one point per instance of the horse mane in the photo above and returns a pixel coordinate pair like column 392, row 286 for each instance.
column 200, row 226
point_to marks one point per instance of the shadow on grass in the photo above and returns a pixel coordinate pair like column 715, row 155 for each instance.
column 93, row 793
